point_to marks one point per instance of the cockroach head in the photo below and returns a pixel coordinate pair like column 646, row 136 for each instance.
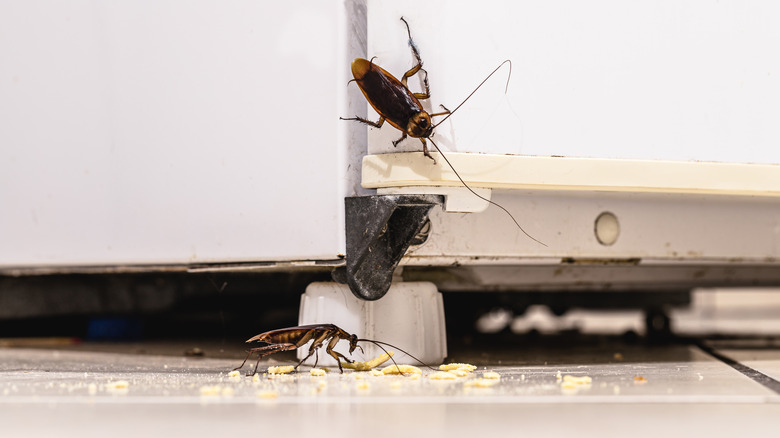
column 420, row 125
column 353, row 343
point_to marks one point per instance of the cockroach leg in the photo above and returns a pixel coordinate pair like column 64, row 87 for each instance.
column 425, row 150
column 443, row 113
column 265, row 351
column 377, row 124
column 395, row 142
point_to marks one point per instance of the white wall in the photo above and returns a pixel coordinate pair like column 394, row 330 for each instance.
column 693, row 80
column 171, row 131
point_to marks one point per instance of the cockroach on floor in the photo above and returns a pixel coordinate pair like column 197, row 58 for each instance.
column 398, row 105
column 292, row 338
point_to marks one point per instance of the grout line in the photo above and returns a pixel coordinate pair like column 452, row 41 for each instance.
column 751, row 373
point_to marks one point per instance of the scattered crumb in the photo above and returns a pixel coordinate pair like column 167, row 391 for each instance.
column 119, row 384
column 267, row 394
column 358, row 376
column 376, row 373
column 457, row 366
column 396, row 385
column 700, row 376
column 568, row 385
column 210, row 390
column 363, row 386
column 228, row 391
column 584, row 380
column 616, row 390
column 558, row 377
column 280, row 369
column 617, row 356
column 398, row 369
column 317, row 372
column 491, row 375
column 118, row 387
column 234, row 375
column 458, row 372
column 256, row 378
column 371, row 364
column 639, row 380
column 92, row 389
column 443, row 375
column 481, row 383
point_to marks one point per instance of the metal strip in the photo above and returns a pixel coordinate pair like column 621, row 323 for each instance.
column 752, row 374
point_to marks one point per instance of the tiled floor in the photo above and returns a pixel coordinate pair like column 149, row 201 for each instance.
column 677, row 390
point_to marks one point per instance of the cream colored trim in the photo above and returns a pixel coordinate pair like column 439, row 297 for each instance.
column 563, row 173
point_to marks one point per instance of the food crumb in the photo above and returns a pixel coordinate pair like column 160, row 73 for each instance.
column 443, row 375
column 639, row 380
column 234, row 375
column 398, row 369
column 92, row 389
column 491, row 375
column 583, row 380
column 376, row 373
column 210, row 390
column 285, row 369
column 363, row 386
column 370, row 364
column 317, row 372
column 618, row 356
column 255, row 378
column 458, row 372
column 457, row 366
column 481, row 383
column 267, row 394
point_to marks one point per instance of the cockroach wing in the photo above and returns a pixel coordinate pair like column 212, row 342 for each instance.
column 386, row 94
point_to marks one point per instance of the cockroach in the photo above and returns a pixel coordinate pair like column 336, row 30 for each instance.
column 398, row 105
column 292, row 338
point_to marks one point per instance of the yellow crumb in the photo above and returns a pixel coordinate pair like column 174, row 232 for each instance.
column 639, row 380
column 368, row 365
column 568, row 385
column 210, row 390
column 376, row 373
column 442, row 375
column 119, row 384
column 398, row 369
column 457, row 366
column 317, row 372
column 267, row 394
column 584, row 380
column 280, row 369
column 458, row 373
column 256, row 378
column 234, row 375
column 228, row 391
column 363, row 386
column 358, row 376
column 491, row 375
column 481, row 383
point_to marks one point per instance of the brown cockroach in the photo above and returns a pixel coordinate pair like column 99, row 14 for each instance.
column 398, row 105
column 292, row 338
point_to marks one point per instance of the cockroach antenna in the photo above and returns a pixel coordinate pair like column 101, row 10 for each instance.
column 506, row 88
column 377, row 343
column 482, row 197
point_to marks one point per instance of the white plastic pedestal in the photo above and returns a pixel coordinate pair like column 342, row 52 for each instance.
column 410, row 316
